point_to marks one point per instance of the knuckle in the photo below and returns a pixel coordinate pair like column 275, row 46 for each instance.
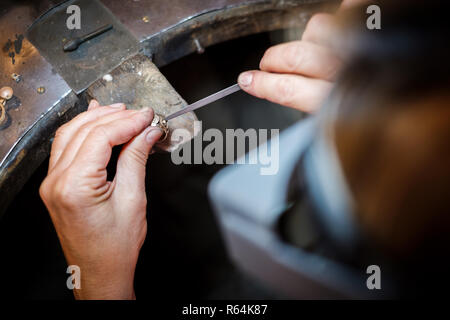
column 268, row 52
column 152, row 113
column 63, row 190
column 61, row 131
column 58, row 191
column 257, row 87
column 285, row 89
column 144, row 119
column 318, row 20
column 138, row 156
column 130, row 127
column 294, row 55
column 44, row 189
column 137, row 126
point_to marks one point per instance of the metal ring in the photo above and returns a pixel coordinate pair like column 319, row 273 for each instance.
column 160, row 122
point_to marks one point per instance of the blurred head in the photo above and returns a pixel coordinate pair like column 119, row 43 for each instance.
column 389, row 120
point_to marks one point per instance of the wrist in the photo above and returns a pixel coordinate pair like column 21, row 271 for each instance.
column 105, row 280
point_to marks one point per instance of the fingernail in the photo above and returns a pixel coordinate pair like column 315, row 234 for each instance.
column 117, row 105
column 144, row 110
column 245, row 79
column 154, row 134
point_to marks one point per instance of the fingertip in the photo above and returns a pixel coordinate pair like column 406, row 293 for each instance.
column 245, row 80
column 152, row 112
column 263, row 61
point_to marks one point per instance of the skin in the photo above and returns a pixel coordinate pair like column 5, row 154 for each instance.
column 102, row 224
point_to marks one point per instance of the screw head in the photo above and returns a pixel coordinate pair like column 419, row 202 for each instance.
column 16, row 77
column 6, row 93
column 41, row 90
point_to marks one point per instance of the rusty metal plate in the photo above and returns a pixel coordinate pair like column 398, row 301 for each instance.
column 19, row 56
column 92, row 59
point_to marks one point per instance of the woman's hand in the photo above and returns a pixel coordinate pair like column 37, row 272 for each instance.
column 101, row 224
column 298, row 74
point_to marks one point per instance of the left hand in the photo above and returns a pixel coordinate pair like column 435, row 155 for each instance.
column 299, row 74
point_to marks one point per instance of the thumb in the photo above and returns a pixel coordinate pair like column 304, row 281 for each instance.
column 130, row 174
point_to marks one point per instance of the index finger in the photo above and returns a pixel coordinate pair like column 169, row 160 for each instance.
column 301, row 57
column 66, row 132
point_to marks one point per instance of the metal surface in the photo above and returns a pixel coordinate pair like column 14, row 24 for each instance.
column 160, row 122
column 138, row 83
column 146, row 18
column 205, row 101
column 27, row 105
column 166, row 30
column 94, row 58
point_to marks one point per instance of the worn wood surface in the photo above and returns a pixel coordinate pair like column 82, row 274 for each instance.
column 138, row 83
